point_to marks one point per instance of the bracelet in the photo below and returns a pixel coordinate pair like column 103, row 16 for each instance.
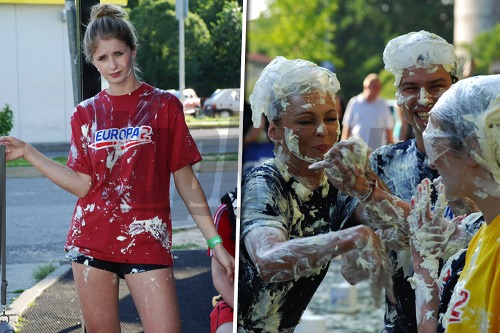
column 214, row 241
column 365, row 197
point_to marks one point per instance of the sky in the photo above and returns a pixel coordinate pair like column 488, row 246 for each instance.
column 254, row 7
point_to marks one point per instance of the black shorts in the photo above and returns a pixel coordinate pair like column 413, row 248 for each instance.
column 115, row 267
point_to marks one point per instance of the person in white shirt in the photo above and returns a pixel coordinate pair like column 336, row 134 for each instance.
column 368, row 117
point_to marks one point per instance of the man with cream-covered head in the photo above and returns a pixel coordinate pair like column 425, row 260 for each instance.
column 424, row 66
column 291, row 216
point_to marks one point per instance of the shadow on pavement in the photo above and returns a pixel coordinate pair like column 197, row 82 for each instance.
column 57, row 308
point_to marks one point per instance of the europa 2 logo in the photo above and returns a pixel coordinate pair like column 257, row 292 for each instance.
column 122, row 138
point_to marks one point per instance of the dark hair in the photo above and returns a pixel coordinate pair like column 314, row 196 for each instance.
column 108, row 22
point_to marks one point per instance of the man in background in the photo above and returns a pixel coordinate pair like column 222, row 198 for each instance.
column 368, row 116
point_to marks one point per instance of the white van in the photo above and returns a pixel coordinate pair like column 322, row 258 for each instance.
column 223, row 103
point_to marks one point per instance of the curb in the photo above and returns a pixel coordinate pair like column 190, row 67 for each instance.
column 15, row 310
column 23, row 301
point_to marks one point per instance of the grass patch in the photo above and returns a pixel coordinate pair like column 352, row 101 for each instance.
column 186, row 246
column 21, row 322
column 23, row 163
column 18, row 291
column 209, row 157
column 216, row 157
column 40, row 272
column 208, row 122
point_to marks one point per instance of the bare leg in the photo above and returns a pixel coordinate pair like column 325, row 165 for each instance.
column 225, row 328
column 98, row 295
column 155, row 298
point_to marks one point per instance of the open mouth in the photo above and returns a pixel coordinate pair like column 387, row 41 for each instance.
column 424, row 116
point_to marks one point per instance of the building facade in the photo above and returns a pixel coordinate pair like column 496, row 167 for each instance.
column 35, row 69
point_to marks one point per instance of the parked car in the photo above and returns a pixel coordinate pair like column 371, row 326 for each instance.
column 192, row 103
column 223, row 103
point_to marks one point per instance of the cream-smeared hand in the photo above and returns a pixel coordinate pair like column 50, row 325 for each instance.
column 430, row 230
column 369, row 260
column 347, row 166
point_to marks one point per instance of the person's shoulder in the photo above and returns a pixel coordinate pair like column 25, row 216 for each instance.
column 92, row 100
column 395, row 146
column 149, row 89
column 356, row 99
column 90, row 103
column 266, row 168
column 382, row 102
column 164, row 97
column 392, row 149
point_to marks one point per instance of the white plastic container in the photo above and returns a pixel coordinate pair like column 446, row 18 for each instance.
column 311, row 323
column 344, row 298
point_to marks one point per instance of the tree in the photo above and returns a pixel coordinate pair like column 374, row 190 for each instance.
column 295, row 29
column 213, row 30
column 208, row 9
column 485, row 50
column 365, row 27
column 157, row 27
column 352, row 34
column 6, row 123
column 224, row 64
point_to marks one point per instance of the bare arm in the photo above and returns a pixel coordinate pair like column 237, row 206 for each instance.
column 347, row 168
column 429, row 237
column 194, row 198
column 389, row 132
column 346, row 132
column 278, row 258
column 222, row 284
column 426, row 294
column 74, row 182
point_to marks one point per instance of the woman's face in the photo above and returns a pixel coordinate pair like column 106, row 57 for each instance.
column 308, row 127
column 114, row 60
column 450, row 165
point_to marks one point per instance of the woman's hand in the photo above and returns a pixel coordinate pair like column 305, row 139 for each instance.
column 350, row 270
column 430, row 231
column 347, row 167
column 225, row 259
column 370, row 260
column 14, row 148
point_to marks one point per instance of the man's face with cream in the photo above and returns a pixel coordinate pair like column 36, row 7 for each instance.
column 418, row 91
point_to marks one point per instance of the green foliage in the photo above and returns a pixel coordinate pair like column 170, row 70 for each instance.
column 186, row 246
column 6, row 120
column 351, row 34
column 295, row 29
column 485, row 50
column 365, row 27
column 42, row 271
column 210, row 60
column 224, row 62
column 388, row 89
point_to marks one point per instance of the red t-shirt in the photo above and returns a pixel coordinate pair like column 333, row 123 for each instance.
column 223, row 226
column 129, row 145
column 222, row 312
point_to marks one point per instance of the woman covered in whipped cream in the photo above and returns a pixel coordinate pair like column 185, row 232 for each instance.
column 462, row 140
column 291, row 215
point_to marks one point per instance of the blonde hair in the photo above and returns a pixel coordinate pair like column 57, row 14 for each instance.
column 282, row 79
column 108, row 22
